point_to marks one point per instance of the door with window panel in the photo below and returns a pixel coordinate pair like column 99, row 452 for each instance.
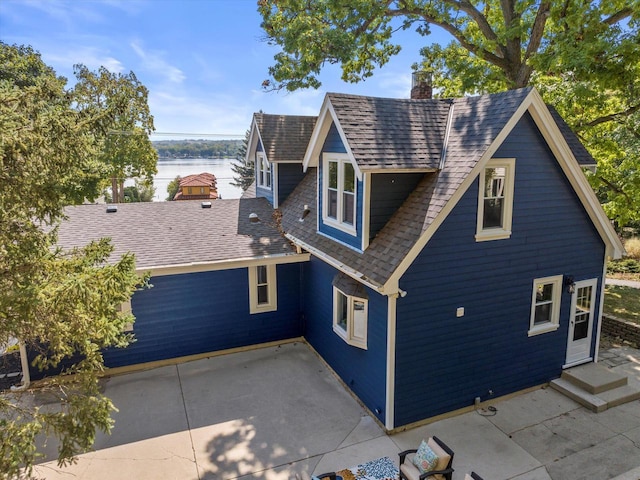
column 581, row 322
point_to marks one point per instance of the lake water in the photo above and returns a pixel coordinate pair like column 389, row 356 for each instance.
column 169, row 168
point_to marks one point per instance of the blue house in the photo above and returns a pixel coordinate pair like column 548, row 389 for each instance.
column 431, row 251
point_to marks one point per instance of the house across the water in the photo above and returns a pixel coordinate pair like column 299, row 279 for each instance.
column 431, row 251
column 201, row 186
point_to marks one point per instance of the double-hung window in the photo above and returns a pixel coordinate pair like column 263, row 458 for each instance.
column 495, row 201
column 545, row 305
column 339, row 195
column 263, row 171
column 262, row 289
column 350, row 318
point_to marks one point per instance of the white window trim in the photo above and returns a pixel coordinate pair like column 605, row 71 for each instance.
column 341, row 158
column 348, row 335
column 125, row 308
column 555, row 306
column 263, row 170
column 509, row 164
column 272, row 290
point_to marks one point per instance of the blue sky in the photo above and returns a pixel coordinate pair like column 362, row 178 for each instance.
column 202, row 61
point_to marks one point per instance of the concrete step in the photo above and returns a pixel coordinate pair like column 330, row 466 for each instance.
column 620, row 395
column 594, row 378
column 574, row 392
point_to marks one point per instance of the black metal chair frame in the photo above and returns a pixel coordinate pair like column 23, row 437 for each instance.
column 447, row 472
column 329, row 475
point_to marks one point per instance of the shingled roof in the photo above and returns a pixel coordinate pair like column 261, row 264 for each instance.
column 475, row 124
column 390, row 132
column 284, row 137
column 177, row 233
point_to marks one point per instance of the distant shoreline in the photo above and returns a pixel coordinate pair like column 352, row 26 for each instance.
column 196, row 158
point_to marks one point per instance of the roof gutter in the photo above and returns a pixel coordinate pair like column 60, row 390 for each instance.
column 340, row 266
column 193, row 267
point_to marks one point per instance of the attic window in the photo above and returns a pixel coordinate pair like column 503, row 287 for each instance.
column 339, row 192
column 495, row 200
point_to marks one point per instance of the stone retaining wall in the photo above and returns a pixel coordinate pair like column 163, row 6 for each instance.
column 616, row 327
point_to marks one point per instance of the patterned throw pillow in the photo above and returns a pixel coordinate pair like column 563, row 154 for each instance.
column 425, row 459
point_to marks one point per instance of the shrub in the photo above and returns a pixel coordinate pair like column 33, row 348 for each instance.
column 626, row 265
column 632, row 246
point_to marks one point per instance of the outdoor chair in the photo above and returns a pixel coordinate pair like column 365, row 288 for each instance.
column 442, row 470
column 329, row 476
column 322, row 476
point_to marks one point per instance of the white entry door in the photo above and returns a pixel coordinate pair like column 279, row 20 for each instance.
column 583, row 305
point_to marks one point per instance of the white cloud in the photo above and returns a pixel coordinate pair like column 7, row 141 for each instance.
column 92, row 57
column 154, row 63
column 206, row 115
column 394, row 85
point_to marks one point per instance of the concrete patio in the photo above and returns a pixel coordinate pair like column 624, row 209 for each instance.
column 278, row 412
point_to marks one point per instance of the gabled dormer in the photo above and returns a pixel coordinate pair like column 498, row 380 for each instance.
column 371, row 153
column 276, row 147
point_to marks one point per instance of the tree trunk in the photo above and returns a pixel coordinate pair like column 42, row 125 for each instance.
column 115, row 197
column 121, row 192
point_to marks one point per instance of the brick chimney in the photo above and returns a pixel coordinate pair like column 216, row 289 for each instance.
column 421, row 85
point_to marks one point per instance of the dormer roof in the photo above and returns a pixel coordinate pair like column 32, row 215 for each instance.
column 284, row 138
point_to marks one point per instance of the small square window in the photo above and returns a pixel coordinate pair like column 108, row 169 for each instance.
column 545, row 305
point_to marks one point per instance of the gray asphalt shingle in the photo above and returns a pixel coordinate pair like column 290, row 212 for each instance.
column 174, row 233
column 285, row 137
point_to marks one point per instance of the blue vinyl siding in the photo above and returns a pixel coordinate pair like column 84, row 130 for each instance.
column 209, row 311
column 388, row 192
column 363, row 371
column 289, row 175
column 333, row 143
column 263, row 191
column 444, row 362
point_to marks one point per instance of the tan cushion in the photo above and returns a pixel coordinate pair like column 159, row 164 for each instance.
column 443, row 456
column 409, row 469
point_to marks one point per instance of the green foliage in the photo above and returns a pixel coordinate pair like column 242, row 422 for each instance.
column 57, row 303
column 625, row 265
column 584, row 58
column 197, row 148
column 117, row 110
column 173, row 188
column 243, row 168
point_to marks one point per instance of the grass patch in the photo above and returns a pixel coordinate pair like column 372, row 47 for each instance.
column 622, row 302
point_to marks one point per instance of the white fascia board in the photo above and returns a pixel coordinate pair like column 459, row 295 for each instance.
column 194, row 267
column 325, row 117
column 573, row 171
column 252, row 144
column 337, row 264
column 318, row 135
